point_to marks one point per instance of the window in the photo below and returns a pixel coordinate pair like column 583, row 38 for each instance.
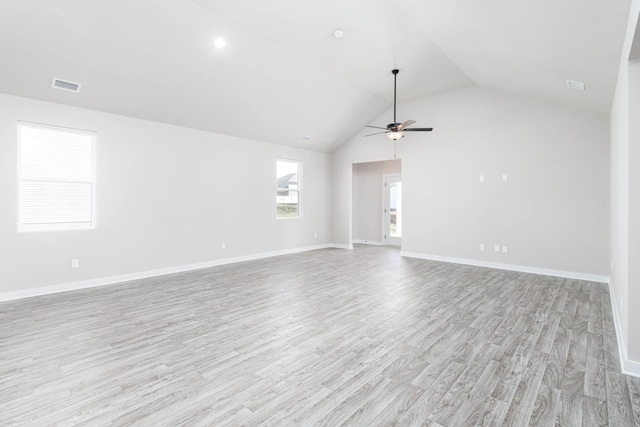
column 57, row 185
column 288, row 188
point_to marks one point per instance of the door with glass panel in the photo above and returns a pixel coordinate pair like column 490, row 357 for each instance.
column 392, row 223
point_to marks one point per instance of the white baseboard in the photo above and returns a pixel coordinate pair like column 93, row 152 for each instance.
column 512, row 267
column 368, row 242
column 112, row 280
column 341, row 246
column 628, row 367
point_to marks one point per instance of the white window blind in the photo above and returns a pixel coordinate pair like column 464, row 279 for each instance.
column 57, row 178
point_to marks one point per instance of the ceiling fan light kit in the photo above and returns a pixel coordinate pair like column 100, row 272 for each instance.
column 394, row 136
column 396, row 130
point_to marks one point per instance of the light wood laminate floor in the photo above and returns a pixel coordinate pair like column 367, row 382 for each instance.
column 328, row 337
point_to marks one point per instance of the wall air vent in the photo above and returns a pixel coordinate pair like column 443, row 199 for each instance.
column 65, row 85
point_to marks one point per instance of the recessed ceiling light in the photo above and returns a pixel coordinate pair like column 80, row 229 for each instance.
column 219, row 42
column 338, row 33
column 572, row 84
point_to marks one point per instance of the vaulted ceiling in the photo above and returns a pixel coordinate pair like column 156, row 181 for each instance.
column 282, row 73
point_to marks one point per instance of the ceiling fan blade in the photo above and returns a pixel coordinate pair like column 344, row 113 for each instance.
column 375, row 127
column 406, row 124
column 377, row 133
column 418, row 130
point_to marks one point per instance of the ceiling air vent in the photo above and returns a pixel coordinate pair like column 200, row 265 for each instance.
column 65, row 85
column 572, row 84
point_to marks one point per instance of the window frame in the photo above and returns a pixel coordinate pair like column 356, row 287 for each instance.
column 53, row 226
column 299, row 190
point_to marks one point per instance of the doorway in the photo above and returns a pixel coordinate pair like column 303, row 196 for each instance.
column 368, row 201
column 392, row 209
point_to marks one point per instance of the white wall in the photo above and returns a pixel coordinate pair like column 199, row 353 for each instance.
column 634, row 211
column 553, row 211
column 167, row 196
column 367, row 199
column 625, row 199
column 619, row 204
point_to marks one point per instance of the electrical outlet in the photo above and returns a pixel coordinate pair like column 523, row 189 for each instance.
column 223, row 245
column 496, row 248
column 481, row 179
column 315, row 235
column 75, row 263
column 505, row 177
column 482, row 246
column 505, row 249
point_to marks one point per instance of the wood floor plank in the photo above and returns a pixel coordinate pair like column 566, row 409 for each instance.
column 619, row 410
column 524, row 399
column 634, row 395
column 472, row 377
column 327, row 337
column 594, row 412
column 595, row 380
column 547, row 407
column 493, row 413
column 435, row 389
column 572, row 396
column 471, row 410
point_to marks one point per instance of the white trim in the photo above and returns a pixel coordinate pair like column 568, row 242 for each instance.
column 113, row 280
column 368, row 242
column 341, row 246
column 512, row 267
column 386, row 216
column 628, row 367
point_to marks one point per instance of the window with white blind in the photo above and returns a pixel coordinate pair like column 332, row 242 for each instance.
column 57, row 184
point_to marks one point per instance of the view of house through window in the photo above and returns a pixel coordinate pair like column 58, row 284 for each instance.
column 56, row 178
column 288, row 188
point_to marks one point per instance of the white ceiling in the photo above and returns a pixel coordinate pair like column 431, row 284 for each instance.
column 283, row 75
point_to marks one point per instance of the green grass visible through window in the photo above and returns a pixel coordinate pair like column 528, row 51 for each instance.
column 287, row 210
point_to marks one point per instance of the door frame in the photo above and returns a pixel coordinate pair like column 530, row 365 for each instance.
column 386, row 239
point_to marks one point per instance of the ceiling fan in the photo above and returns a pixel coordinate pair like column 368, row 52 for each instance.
column 396, row 130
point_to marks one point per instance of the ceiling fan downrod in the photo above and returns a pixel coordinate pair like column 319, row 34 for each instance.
column 395, row 130
column 395, row 82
